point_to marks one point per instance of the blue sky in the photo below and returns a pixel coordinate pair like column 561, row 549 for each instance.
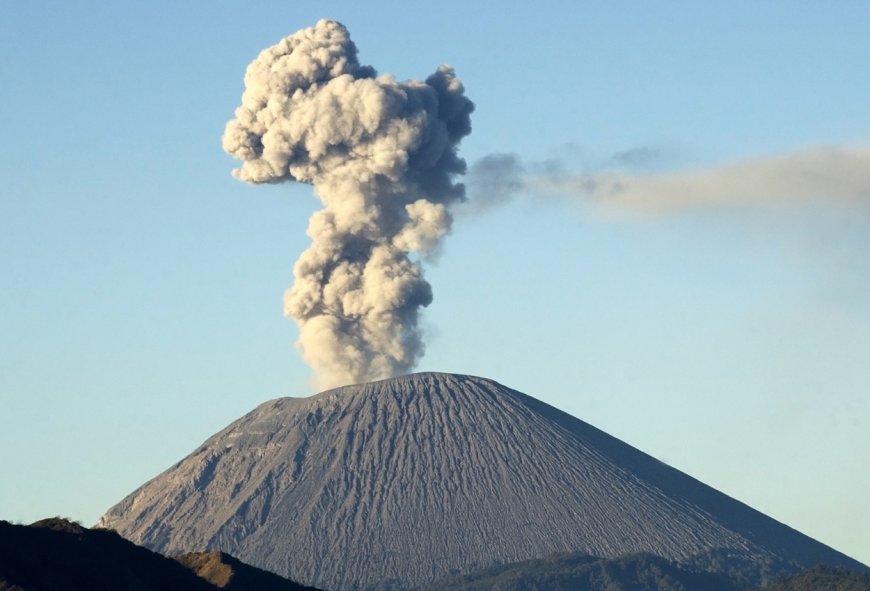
column 141, row 284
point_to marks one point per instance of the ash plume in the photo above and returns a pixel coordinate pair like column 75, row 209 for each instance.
column 382, row 158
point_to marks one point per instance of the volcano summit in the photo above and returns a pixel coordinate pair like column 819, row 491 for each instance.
column 407, row 480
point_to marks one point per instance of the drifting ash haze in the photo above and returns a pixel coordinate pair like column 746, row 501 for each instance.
column 409, row 479
column 828, row 173
column 382, row 157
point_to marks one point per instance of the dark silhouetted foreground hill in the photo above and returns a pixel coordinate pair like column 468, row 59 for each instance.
column 408, row 480
column 59, row 555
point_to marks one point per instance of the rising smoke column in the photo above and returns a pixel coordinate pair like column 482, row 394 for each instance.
column 382, row 157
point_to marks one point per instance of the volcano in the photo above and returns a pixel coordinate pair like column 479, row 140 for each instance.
column 401, row 482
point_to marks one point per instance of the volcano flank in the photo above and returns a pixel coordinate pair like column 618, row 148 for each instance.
column 408, row 480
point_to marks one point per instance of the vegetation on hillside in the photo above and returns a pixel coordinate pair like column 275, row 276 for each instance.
column 645, row 572
column 823, row 578
column 231, row 574
column 573, row 572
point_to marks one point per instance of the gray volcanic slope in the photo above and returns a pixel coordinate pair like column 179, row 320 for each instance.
column 409, row 479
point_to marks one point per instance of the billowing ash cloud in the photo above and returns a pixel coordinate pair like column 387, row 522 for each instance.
column 382, row 157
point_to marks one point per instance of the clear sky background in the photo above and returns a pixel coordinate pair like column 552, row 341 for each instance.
column 141, row 285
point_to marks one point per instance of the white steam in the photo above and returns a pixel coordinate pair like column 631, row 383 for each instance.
column 382, row 157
